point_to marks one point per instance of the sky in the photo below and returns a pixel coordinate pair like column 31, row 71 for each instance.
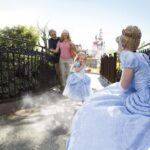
column 82, row 18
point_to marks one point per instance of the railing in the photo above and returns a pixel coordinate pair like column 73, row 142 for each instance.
column 110, row 66
column 146, row 51
column 23, row 70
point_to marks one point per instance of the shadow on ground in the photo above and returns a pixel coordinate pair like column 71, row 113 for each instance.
column 41, row 123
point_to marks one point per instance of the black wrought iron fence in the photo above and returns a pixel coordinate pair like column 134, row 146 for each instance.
column 23, row 70
column 146, row 51
column 110, row 66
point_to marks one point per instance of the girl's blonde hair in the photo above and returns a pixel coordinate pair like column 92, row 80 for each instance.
column 62, row 37
column 80, row 54
column 131, row 37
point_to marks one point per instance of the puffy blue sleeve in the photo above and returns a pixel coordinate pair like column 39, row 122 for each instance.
column 128, row 60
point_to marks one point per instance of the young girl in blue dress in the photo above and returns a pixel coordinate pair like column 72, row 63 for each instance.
column 118, row 116
column 78, row 83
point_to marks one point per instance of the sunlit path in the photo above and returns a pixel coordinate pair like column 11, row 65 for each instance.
column 42, row 123
column 97, row 82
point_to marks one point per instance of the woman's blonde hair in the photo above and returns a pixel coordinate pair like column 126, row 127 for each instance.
column 62, row 37
column 131, row 37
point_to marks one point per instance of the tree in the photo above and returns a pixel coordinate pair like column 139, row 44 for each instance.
column 43, row 33
column 110, row 51
column 21, row 36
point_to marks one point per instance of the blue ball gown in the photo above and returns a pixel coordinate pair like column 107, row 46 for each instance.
column 113, row 119
column 78, row 85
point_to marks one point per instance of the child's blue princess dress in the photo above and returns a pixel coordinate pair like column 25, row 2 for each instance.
column 78, row 85
column 114, row 119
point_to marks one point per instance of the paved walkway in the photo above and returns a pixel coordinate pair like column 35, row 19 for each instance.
column 42, row 122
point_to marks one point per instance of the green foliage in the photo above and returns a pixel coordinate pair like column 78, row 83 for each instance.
column 118, row 70
column 27, row 36
column 110, row 51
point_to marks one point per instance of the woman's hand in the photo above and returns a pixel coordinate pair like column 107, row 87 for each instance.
column 53, row 51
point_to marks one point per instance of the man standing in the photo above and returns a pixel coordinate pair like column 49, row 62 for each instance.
column 52, row 44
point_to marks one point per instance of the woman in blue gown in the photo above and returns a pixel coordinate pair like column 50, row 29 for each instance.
column 118, row 116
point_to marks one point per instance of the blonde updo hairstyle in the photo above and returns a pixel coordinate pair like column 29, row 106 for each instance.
column 130, row 37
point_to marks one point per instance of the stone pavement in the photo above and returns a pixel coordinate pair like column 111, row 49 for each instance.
column 41, row 122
